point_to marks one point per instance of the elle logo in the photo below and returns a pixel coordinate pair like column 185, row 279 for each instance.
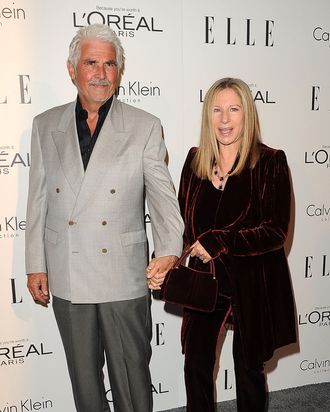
column 321, row 265
column 24, row 96
column 232, row 32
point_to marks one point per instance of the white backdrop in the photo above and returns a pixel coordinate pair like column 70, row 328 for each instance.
column 175, row 51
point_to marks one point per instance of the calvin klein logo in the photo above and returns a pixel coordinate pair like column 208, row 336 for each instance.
column 321, row 35
column 132, row 91
column 11, row 13
column 315, row 365
column 29, row 404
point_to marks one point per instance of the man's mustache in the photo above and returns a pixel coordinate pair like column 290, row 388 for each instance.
column 99, row 82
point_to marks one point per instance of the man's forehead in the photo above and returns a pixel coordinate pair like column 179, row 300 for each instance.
column 96, row 44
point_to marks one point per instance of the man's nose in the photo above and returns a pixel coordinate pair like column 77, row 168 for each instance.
column 101, row 71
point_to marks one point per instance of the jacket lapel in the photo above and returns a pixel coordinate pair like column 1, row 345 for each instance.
column 67, row 145
column 111, row 141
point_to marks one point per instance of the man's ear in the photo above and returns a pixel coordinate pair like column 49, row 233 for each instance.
column 72, row 71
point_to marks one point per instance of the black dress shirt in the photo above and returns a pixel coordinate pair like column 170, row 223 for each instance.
column 86, row 141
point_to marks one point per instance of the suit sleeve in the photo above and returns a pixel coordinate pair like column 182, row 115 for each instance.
column 166, row 222
column 35, row 260
column 270, row 234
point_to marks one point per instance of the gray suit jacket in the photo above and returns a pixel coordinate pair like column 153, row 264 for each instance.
column 87, row 229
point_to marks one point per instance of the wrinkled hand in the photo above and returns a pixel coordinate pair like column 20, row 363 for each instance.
column 157, row 269
column 198, row 251
column 37, row 284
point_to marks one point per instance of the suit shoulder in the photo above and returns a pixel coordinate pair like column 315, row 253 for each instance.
column 137, row 113
column 54, row 112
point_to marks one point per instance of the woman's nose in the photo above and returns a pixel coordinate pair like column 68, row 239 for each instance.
column 224, row 116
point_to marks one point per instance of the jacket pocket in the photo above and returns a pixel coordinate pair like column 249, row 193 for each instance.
column 130, row 238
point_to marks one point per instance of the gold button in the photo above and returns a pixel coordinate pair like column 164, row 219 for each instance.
column 104, row 222
column 104, row 250
column 112, row 191
column 71, row 222
column 57, row 190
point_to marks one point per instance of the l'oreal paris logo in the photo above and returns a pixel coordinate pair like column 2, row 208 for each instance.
column 317, row 317
column 319, row 156
column 126, row 22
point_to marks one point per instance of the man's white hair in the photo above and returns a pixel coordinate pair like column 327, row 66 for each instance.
column 99, row 32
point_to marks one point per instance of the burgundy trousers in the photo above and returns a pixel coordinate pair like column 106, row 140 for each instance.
column 199, row 339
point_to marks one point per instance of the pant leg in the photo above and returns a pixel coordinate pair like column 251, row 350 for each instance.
column 251, row 394
column 199, row 339
column 126, row 333
column 80, row 333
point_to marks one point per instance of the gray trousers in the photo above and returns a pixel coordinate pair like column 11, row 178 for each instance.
column 119, row 332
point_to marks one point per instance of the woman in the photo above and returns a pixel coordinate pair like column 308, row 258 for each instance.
column 235, row 200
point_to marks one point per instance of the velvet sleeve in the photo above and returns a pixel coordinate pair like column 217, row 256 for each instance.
column 270, row 233
column 185, row 182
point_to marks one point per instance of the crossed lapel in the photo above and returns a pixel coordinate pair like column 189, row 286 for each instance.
column 111, row 140
column 67, row 145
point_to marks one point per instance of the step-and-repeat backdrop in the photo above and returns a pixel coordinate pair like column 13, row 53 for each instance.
column 175, row 50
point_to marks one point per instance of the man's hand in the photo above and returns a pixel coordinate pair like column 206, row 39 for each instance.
column 37, row 284
column 157, row 269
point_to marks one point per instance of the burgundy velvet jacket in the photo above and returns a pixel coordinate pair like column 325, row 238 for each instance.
column 251, row 225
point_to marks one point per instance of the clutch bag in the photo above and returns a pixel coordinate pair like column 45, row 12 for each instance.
column 190, row 288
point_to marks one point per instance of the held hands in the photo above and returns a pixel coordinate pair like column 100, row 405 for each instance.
column 157, row 269
column 37, row 284
column 198, row 251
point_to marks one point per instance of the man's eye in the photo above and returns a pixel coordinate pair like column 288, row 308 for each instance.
column 90, row 63
column 111, row 64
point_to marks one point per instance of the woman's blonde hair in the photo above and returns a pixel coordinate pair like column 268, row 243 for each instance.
column 208, row 150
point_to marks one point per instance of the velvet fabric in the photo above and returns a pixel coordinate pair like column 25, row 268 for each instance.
column 190, row 288
column 247, row 241
column 199, row 342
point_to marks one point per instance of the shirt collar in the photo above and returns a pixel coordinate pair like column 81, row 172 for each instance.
column 83, row 114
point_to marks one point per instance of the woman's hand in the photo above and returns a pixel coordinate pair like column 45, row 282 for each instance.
column 198, row 251
column 157, row 269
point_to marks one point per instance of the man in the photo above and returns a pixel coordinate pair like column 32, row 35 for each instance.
column 93, row 163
